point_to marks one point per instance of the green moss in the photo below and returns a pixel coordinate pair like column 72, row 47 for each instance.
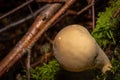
column 45, row 72
column 106, row 25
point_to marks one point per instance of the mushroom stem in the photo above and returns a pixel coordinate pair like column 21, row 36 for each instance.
column 103, row 60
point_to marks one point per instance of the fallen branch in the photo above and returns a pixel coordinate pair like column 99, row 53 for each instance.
column 41, row 24
column 29, row 39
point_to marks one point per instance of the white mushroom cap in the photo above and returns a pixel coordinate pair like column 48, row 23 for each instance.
column 76, row 50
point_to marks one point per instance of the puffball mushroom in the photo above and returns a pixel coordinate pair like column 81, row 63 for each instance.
column 76, row 50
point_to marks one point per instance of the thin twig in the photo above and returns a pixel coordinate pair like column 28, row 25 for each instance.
column 93, row 14
column 45, row 57
column 24, row 19
column 117, row 12
column 51, row 1
column 30, row 9
column 48, row 38
column 28, row 63
column 72, row 12
column 16, row 9
column 84, row 9
column 81, row 11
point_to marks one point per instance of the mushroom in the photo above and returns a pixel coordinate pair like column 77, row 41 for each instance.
column 76, row 50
